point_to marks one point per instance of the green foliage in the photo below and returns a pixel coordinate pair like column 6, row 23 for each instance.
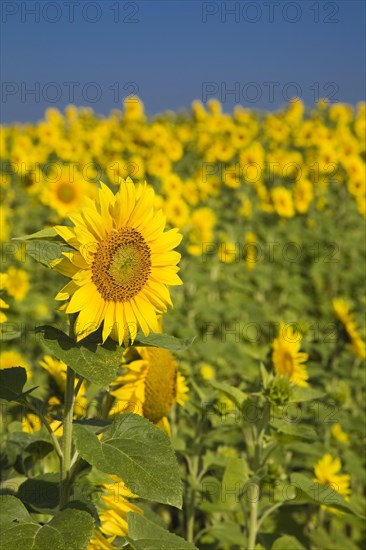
column 139, row 453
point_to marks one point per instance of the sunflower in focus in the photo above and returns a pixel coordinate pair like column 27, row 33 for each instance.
column 327, row 473
column 121, row 264
column 287, row 358
column 151, row 385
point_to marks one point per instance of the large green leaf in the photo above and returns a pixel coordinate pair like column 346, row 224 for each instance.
column 94, row 362
column 321, row 494
column 144, row 534
column 137, row 451
column 41, row 492
column 69, row 529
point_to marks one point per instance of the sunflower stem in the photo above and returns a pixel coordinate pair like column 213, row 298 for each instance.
column 253, row 495
column 67, row 436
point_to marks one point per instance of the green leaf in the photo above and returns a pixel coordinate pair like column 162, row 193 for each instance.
column 50, row 234
column 299, row 394
column 235, row 476
column 164, row 341
column 144, row 534
column 287, row 543
column 137, row 451
column 41, row 492
column 321, row 494
column 296, row 430
column 236, row 395
column 69, row 529
column 92, row 361
column 12, row 382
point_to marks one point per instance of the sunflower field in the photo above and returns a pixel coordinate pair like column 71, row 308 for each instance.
column 183, row 343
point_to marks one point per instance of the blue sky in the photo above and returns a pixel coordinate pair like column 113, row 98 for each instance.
column 172, row 52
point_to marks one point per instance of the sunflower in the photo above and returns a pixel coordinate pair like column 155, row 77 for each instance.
column 341, row 309
column 282, row 202
column 3, row 304
column 287, row 358
column 121, row 264
column 151, row 385
column 17, row 283
column 116, row 505
column 65, row 192
column 326, row 473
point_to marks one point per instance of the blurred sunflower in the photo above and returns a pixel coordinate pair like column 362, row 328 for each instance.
column 3, row 304
column 341, row 309
column 151, row 385
column 326, row 473
column 17, row 283
column 121, row 264
column 65, row 191
column 287, row 358
column 282, row 202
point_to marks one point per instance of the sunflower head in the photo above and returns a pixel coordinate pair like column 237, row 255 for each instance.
column 121, row 264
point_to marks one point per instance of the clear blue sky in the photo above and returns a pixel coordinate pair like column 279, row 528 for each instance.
column 171, row 52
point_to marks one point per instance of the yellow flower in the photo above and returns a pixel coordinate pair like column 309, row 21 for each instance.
column 326, row 473
column 341, row 309
column 177, row 212
column 282, row 202
column 116, row 505
column 207, row 372
column 64, row 190
column 133, row 109
column 18, row 283
column 121, row 264
column 303, row 195
column 151, row 386
column 12, row 358
column 3, row 304
column 251, row 257
column 339, row 434
column 287, row 358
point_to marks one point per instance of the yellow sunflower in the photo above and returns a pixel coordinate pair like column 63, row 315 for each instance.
column 287, row 358
column 151, row 385
column 18, row 283
column 116, row 505
column 65, row 192
column 282, row 202
column 341, row 309
column 3, row 304
column 327, row 473
column 121, row 264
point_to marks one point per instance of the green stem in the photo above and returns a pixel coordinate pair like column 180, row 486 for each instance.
column 252, row 535
column 267, row 513
column 67, row 436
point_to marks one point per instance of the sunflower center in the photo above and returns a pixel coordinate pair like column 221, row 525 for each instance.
column 160, row 384
column 122, row 264
column 66, row 193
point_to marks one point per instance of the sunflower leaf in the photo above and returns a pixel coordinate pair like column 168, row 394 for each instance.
column 164, row 341
column 144, row 534
column 94, row 362
column 12, row 382
column 70, row 528
column 137, row 451
column 320, row 494
column 49, row 234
